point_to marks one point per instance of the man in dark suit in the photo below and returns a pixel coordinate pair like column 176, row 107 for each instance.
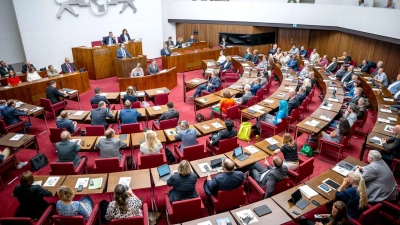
column 53, row 94
column 213, row 83
column 11, row 114
column 66, row 123
column 169, row 114
column 341, row 72
column 165, row 51
column 99, row 115
column 191, row 39
column 301, row 95
column 226, row 181
column 26, row 67
column 347, row 76
column 169, row 42
column 273, row 50
column 67, row 150
column 393, row 149
column 109, row 40
column 68, row 67
column 269, row 176
column 293, row 102
column 357, row 96
column 122, row 52
column 364, row 66
column 227, row 133
column 153, row 68
column 347, row 86
column 4, row 68
column 98, row 98
column 332, row 67
column 380, row 65
column 223, row 43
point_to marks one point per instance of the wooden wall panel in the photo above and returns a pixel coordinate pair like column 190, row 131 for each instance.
column 289, row 36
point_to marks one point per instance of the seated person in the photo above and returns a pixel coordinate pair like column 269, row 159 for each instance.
column 294, row 50
column 289, row 150
column 379, row 179
column 67, row 207
column 26, row 66
column 165, row 51
column 350, row 113
column 269, row 176
column 301, row 95
column 314, row 57
column 98, row 98
column 222, row 59
column 362, row 108
column 389, row 4
column 364, row 66
column 169, row 114
column 347, row 86
column 292, row 62
column 179, row 42
column 393, row 149
column 304, row 73
column 122, row 52
column 255, row 58
column 255, row 86
column 246, row 96
column 153, row 68
column 263, row 64
column 100, row 114
column 110, row 146
column 125, row 204
column 30, row 197
column 303, row 52
column 350, row 93
column 248, row 54
column 6, row 153
column 124, row 37
column 66, row 123
column 12, row 78
column 281, row 114
column 357, row 95
column 129, row 115
column 4, row 68
column 284, row 58
column 348, row 75
column 11, row 114
column 342, row 129
column 394, row 88
column 67, row 150
column 130, row 95
column 307, row 85
column 337, row 217
column 191, row 39
column 223, row 43
column 346, row 58
column 137, row 71
column 53, row 94
column 293, row 102
column 51, row 72
column 223, row 134
column 341, row 72
column 273, row 50
column 32, row 75
column 228, row 180
column 381, row 77
column 227, row 66
column 151, row 144
column 183, row 183
column 186, row 134
column 67, row 67
column 332, row 67
column 110, row 39
column 353, row 193
column 170, row 42
column 278, row 54
column 323, row 61
column 225, row 102
column 211, row 85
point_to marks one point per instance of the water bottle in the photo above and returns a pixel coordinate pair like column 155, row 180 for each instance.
column 256, row 138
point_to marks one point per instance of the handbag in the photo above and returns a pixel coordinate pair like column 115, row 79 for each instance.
column 306, row 150
column 38, row 162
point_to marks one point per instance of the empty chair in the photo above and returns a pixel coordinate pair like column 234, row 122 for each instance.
column 131, row 128
column 136, row 105
column 51, row 108
column 95, row 130
column 224, row 146
column 45, row 219
column 273, row 129
column 177, row 212
column 152, row 160
column 231, row 113
column 160, row 99
column 333, row 148
column 96, row 43
column 227, row 200
column 68, row 168
column 305, row 169
column 190, row 153
column 165, row 124
column 6, row 165
column 110, row 165
column 259, row 95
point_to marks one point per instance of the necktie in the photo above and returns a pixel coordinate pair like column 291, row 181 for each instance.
column 69, row 67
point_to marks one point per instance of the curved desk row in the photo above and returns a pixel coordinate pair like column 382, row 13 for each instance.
column 194, row 46
column 167, row 78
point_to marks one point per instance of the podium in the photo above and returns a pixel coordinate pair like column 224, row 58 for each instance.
column 123, row 67
column 165, row 78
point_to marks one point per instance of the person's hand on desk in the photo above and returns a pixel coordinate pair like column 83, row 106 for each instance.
column 266, row 161
column 386, row 106
column 208, row 176
column 74, row 122
column 384, row 140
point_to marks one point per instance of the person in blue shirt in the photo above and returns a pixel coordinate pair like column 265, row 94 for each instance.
column 292, row 63
column 66, row 123
column 186, row 134
column 281, row 114
column 122, row 52
column 11, row 114
column 248, row 54
column 129, row 115
column 350, row 94
column 67, row 207
column 303, row 52
column 223, row 43
column 255, row 86
column 395, row 86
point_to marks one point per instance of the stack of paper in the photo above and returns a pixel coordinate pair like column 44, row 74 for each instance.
column 383, row 120
column 251, row 149
column 269, row 101
column 245, row 64
column 163, row 71
column 312, row 123
column 308, row 191
column 51, row 182
column 340, row 170
column 140, row 94
column 203, row 100
column 271, row 141
column 333, row 99
column 325, row 118
column 246, row 216
column 82, row 181
column 205, row 127
column 38, row 182
column 16, row 137
column 281, row 94
column 157, row 107
column 388, row 128
column 325, row 107
column 125, row 181
column 72, row 92
column 159, row 91
column 195, row 81
column 122, row 93
column 388, row 99
column 216, row 125
column 97, row 182
column 386, row 110
column 377, row 139
column 103, row 94
column 77, row 141
column 170, row 131
column 205, row 223
column 202, row 167
column 392, row 119
column 79, row 113
column 19, row 104
column 288, row 79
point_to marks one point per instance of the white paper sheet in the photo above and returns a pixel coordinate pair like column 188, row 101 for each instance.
column 202, row 167
column 82, row 181
column 308, row 191
column 157, row 107
column 125, row 181
column 216, row 125
column 16, row 137
column 271, row 140
column 103, row 94
column 51, row 181
column 79, row 113
column 251, row 149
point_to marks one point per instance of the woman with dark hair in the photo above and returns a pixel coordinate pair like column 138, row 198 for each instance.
column 343, row 129
column 12, row 79
column 223, row 134
column 247, row 56
column 337, row 217
column 125, row 204
column 124, row 37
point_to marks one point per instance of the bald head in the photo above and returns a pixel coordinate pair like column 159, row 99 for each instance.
column 396, row 130
column 292, row 93
column 109, row 133
column 277, row 161
column 65, row 135
column 247, row 87
column 228, row 165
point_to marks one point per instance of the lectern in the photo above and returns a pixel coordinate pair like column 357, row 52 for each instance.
column 123, row 67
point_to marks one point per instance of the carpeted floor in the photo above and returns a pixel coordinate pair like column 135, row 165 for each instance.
column 9, row 203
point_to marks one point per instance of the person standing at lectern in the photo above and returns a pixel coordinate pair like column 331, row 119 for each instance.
column 124, row 37
column 153, row 68
column 110, row 39
column 137, row 71
column 122, row 53
column 169, row 42
column 165, row 51
column 191, row 39
column 68, row 67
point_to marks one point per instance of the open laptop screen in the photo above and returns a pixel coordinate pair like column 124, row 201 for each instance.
column 238, row 151
column 163, row 170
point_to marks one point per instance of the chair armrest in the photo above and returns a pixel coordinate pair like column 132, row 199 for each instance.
column 145, row 212
column 265, row 124
column 22, row 123
column 355, row 222
column 293, row 173
column 178, row 152
column 155, row 126
column 45, row 215
column 58, row 104
column 256, row 186
column 81, row 165
column 77, row 132
column 168, row 204
column 214, row 199
column 331, row 143
column 94, row 215
column 139, row 160
column 122, row 163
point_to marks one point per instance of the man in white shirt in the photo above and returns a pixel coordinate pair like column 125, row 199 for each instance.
column 221, row 60
column 394, row 88
column 294, row 50
column 314, row 57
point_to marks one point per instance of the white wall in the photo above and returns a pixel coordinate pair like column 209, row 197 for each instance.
column 48, row 40
column 382, row 3
column 10, row 39
column 169, row 29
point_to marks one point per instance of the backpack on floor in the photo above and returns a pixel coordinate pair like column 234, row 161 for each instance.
column 200, row 118
column 244, row 131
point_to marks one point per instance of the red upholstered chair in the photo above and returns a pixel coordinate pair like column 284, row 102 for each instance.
column 160, row 99
column 303, row 107
column 152, row 160
column 369, row 216
column 136, row 105
column 267, row 88
column 204, row 93
column 55, row 133
column 119, row 40
column 371, row 70
column 15, row 128
column 360, row 123
column 228, row 71
column 78, row 220
column 353, row 63
column 7, row 164
column 51, row 108
column 305, row 169
column 231, row 77
column 131, row 128
column 390, row 213
column 260, row 192
column 165, row 124
column 272, row 128
column 225, row 145
column 95, row 130
column 394, row 165
column 190, row 152
column 250, row 102
column 301, row 67
column 45, row 219
column 67, row 168
column 96, row 43
column 294, row 117
column 110, row 165
column 259, row 95
column 136, row 220
column 177, row 212
column 225, row 200
column 334, row 148
column 231, row 113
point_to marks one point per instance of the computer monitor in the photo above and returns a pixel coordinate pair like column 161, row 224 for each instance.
column 163, row 170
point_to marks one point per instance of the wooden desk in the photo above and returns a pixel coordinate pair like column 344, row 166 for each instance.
column 31, row 92
column 171, row 137
column 206, row 127
column 380, row 128
column 26, row 141
column 139, row 179
column 263, row 145
column 284, row 88
column 71, row 180
column 322, row 112
column 221, row 92
column 198, row 171
column 99, row 61
column 212, row 219
column 112, row 97
column 277, row 216
column 192, row 47
column 386, row 115
column 267, row 103
column 167, row 78
column 137, row 137
column 89, row 142
column 44, row 178
column 376, row 146
column 77, row 118
column 307, row 129
column 123, row 67
column 22, row 77
column 282, row 199
column 191, row 85
column 151, row 92
column 246, row 114
column 156, row 178
column 252, row 158
column 208, row 101
column 126, row 141
column 280, row 95
column 336, row 107
column 152, row 113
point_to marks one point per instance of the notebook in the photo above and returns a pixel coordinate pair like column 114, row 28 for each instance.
column 262, row 210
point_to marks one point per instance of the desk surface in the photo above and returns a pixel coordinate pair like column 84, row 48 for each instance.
column 139, row 179
column 5, row 140
column 197, row 170
column 212, row 219
column 210, row 99
column 152, row 112
column 71, row 180
column 281, row 95
column 269, row 102
column 323, row 112
column 232, row 91
column 152, row 92
column 380, row 128
column 72, row 116
column 136, row 137
column 336, row 107
column 252, row 158
column 33, row 110
column 111, row 95
column 312, row 129
column 44, row 178
column 156, row 178
column 376, row 146
column 206, row 127
column 263, row 145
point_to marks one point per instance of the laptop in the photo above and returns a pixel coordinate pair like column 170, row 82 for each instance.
column 238, row 154
column 164, row 172
column 346, row 165
column 298, row 200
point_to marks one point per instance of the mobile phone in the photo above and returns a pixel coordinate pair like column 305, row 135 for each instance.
column 295, row 212
column 324, row 187
column 91, row 183
column 315, row 203
column 247, row 153
column 83, row 143
column 80, row 188
column 207, row 168
column 317, row 216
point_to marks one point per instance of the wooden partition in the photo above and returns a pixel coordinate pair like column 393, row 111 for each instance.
column 99, row 61
column 124, row 66
column 31, row 92
column 167, row 78
column 197, row 45
column 22, row 77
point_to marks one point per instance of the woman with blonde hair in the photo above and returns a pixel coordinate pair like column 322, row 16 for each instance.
column 130, row 95
column 353, row 193
column 183, row 183
column 151, row 145
column 289, row 150
column 125, row 204
column 66, row 207
column 179, row 42
column 307, row 85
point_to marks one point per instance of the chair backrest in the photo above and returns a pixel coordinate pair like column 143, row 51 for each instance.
column 107, row 165
column 260, row 95
column 161, row 99
column 295, row 115
column 281, row 186
column 282, row 126
column 16, row 221
column 168, row 124
column 227, row 202
column 353, row 63
column 219, row 88
column 227, row 145
column 96, row 43
column 301, row 67
column 130, row 128
column 180, row 209
column 55, row 135
column 371, row 215
column 95, row 130
column 232, row 112
column 46, row 104
column 194, row 152
column 3, row 127
column 151, row 161
column 136, row 105
column 371, row 70
column 206, row 48
column 62, row 220
column 62, row 168
column 305, row 169
column 95, row 106
column 251, row 101
column 304, row 104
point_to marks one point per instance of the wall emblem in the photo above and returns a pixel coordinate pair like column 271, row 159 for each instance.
column 98, row 7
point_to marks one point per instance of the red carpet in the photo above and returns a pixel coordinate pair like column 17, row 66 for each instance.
column 9, row 203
